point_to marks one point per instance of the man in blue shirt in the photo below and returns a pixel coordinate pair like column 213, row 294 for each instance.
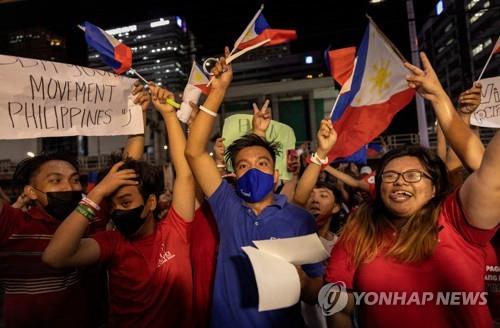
column 251, row 212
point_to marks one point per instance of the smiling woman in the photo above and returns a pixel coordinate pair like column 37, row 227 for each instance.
column 404, row 204
column 413, row 238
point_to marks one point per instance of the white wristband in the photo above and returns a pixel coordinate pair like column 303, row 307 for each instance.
column 208, row 111
column 318, row 161
column 91, row 203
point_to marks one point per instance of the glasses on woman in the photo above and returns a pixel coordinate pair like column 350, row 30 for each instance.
column 410, row 176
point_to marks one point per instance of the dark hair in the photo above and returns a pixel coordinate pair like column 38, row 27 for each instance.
column 150, row 179
column 330, row 186
column 29, row 167
column 251, row 140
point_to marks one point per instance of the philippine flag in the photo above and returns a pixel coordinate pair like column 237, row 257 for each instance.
column 373, row 94
column 340, row 62
column 197, row 84
column 114, row 53
column 259, row 31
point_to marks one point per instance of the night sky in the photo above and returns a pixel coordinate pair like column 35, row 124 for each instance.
column 319, row 24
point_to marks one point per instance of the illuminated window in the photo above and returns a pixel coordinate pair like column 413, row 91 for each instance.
column 439, row 7
column 472, row 3
column 476, row 16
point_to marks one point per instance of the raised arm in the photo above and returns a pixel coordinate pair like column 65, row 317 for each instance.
column 481, row 191
column 464, row 142
column 326, row 140
column 67, row 248
column 183, row 193
column 292, row 166
column 347, row 179
column 134, row 148
column 202, row 165
column 441, row 142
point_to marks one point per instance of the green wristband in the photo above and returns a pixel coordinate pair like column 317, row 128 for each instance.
column 86, row 212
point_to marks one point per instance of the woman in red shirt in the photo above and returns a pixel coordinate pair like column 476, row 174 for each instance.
column 414, row 256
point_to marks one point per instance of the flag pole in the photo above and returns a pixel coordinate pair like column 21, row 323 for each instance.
column 488, row 61
column 235, row 47
column 387, row 40
column 169, row 101
column 133, row 71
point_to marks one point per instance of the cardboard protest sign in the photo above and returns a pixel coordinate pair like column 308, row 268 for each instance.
column 488, row 113
column 238, row 125
column 49, row 99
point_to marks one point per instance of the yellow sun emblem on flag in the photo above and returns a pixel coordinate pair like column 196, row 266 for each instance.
column 198, row 77
column 380, row 79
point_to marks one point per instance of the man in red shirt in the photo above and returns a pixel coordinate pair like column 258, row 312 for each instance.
column 148, row 260
column 35, row 294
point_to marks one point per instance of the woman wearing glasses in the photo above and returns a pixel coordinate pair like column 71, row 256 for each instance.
column 414, row 256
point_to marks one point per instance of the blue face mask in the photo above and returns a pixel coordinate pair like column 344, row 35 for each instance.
column 254, row 185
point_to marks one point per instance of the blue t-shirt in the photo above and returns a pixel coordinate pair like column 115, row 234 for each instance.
column 235, row 296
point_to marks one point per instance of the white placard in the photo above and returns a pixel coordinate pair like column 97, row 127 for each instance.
column 273, row 263
column 49, row 99
column 278, row 282
column 488, row 113
column 296, row 250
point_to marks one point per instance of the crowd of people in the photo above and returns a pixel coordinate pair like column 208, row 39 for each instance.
column 420, row 221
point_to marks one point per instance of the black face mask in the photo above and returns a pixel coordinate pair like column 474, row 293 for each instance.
column 128, row 222
column 62, row 203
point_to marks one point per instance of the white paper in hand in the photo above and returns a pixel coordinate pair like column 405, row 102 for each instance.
column 297, row 250
column 191, row 93
column 277, row 280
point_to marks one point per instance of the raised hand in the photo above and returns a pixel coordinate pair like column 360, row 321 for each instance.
column 425, row 81
column 223, row 73
column 160, row 96
column 326, row 137
column 469, row 100
column 115, row 179
column 261, row 118
column 141, row 96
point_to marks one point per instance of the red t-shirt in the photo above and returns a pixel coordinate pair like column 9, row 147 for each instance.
column 35, row 294
column 150, row 279
column 458, row 265
column 205, row 239
column 492, row 280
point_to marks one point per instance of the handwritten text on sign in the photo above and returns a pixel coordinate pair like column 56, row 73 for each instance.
column 48, row 99
column 488, row 112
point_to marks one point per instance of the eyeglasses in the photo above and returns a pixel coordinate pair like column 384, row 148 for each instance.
column 410, row 176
